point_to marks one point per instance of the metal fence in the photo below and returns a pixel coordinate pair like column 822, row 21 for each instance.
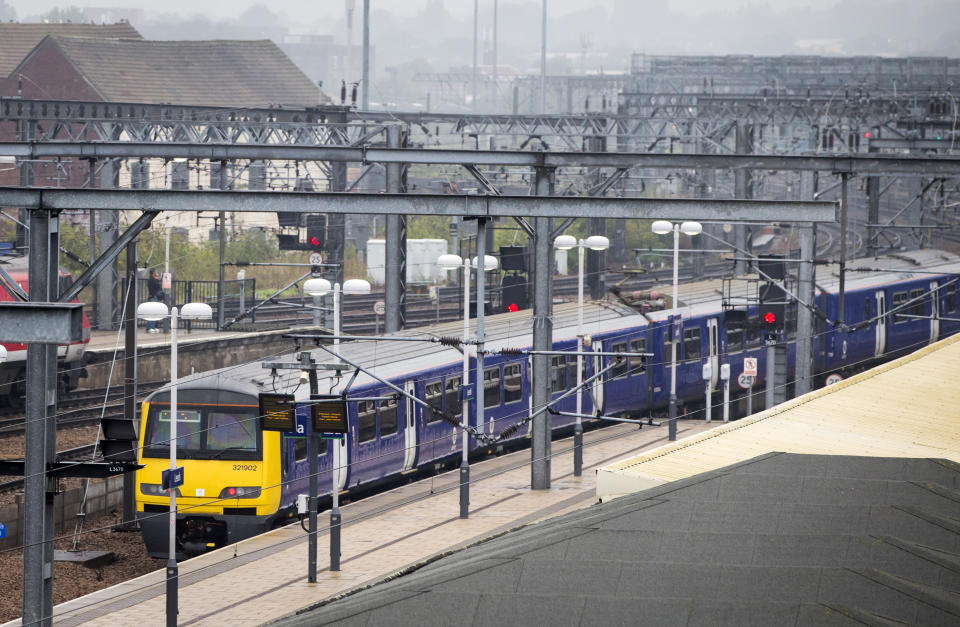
column 238, row 295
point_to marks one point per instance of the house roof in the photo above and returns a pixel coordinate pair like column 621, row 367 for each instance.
column 779, row 539
column 18, row 39
column 202, row 73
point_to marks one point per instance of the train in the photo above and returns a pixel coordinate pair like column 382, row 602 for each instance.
column 69, row 356
column 240, row 480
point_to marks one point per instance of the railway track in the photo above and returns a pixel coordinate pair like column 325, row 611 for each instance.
column 77, row 409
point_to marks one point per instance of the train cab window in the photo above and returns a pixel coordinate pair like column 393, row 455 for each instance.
column 917, row 306
column 691, row 344
column 753, row 339
column 230, row 431
column 367, row 421
column 558, row 373
column 638, row 365
column 491, row 387
column 620, row 367
column 734, row 340
column 899, row 298
column 388, row 416
column 454, row 406
column 434, row 397
column 512, row 383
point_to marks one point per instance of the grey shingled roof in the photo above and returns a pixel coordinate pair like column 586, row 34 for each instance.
column 782, row 539
column 17, row 40
column 222, row 73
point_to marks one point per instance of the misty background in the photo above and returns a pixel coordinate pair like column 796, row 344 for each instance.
column 435, row 36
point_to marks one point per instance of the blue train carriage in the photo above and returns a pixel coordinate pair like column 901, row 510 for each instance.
column 878, row 308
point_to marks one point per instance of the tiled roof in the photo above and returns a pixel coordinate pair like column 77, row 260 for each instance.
column 202, row 73
column 17, row 40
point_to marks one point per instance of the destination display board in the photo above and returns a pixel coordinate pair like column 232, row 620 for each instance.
column 329, row 414
column 278, row 412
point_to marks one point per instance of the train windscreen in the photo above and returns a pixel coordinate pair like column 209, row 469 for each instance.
column 204, row 431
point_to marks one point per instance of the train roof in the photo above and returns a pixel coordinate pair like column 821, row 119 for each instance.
column 395, row 359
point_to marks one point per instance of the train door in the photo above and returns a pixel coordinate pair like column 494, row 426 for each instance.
column 410, row 428
column 934, row 312
column 598, row 382
column 713, row 351
column 881, row 327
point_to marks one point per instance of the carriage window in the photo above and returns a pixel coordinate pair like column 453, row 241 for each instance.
column 558, row 371
column 638, row 365
column 753, row 338
column 512, row 389
column 620, row 368
column 899, row 298
column 917, row 307
column 866, row 309
column 367, row 420
column 491, row 387
column 952, row 297
column 572, row 370
column 454, row 407
column 691, row 344
column 434, row 398
column 388, row 416
column 734, row 340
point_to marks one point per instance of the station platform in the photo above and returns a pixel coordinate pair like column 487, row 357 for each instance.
column 906, row 408
column 264, row 578
column 199, row 350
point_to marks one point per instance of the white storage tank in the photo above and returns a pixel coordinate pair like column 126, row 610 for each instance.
column 421, row 260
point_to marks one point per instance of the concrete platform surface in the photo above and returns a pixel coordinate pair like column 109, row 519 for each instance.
column 264, row 578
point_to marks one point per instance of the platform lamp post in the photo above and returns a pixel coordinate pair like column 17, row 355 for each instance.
column 154, row 311
column 662, row 227
column 598, row 243
column 317, row 288
column 455, row 262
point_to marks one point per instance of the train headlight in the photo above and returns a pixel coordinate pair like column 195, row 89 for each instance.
column 249, row 492
column 155, row 489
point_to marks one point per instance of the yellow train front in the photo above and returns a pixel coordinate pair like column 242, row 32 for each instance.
column 231, row 484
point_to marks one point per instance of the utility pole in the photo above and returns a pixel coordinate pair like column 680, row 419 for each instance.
column 493, row 108
column 365, row 85
column 543, row 60
column 476, row 20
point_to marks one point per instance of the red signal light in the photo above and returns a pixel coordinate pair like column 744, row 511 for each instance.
column 512, row 307
column 769, row 318
column 867, row 134
column 314, row 242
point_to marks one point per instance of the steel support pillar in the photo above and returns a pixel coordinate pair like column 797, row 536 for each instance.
column 597, row 226
column 395, row 245
column 873, row 215
column 130, row 302
column 770, row 377
column 844, row 177
column 806, row 328
column 109, row 226
column 40, row 435
column 221, row 183
column 481, row 301
column 542, row 338
column 26, row 132
column 742, row 191
column 365, row 83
